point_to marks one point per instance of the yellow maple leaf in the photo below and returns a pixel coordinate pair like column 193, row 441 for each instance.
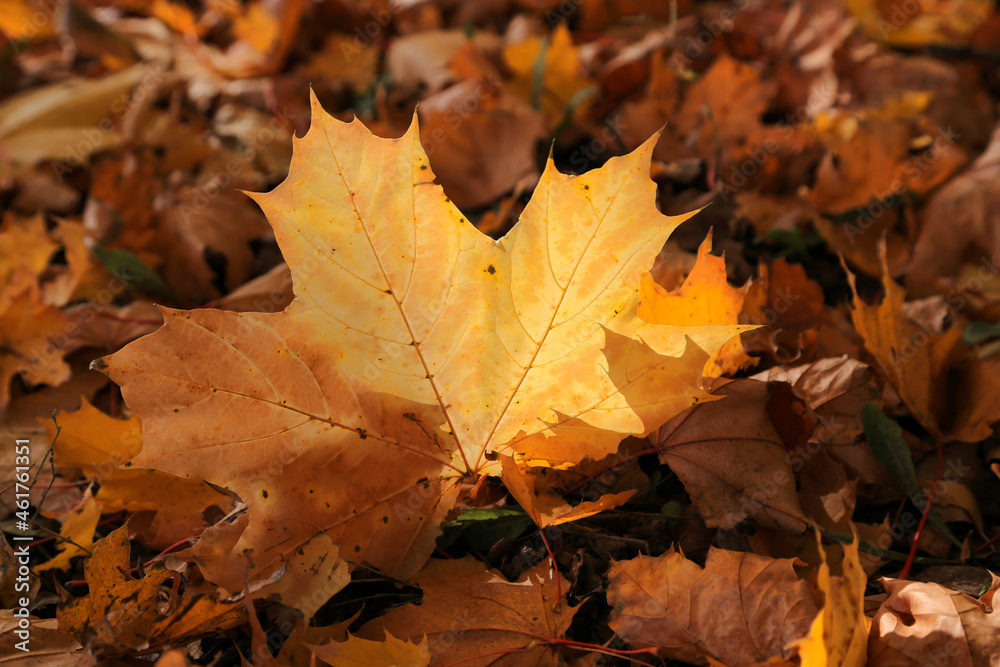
column 416, row 351
column 706, row 297
column 556, row 85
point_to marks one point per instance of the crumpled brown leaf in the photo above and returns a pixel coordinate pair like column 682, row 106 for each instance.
column 923, row 622
column 741, row 609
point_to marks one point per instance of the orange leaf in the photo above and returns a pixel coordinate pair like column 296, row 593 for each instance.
column 919, row 364
column 358, row 652
column 706, row 297
column 468, row 611
column 741, row 609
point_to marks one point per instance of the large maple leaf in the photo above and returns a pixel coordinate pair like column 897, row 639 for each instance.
column 416, row 350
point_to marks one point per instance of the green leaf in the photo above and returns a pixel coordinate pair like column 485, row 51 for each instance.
column 885, row 438
column 481, row 528
column 977, row 332
column 474, row 514
column 126, row 267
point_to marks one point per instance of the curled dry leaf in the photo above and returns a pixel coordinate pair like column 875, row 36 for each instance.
column 471, row 614
column 836, row 388
column 121, row 614
column 923, row 622
column 533, row 491
column 789, row 305
column 740, row 609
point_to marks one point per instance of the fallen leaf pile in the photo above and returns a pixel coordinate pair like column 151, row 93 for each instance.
column 594, row 333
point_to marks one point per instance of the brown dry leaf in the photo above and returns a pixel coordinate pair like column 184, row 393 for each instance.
column 563, row 83
column 344, row 58
column 533, row 489
column 870, row 160
column 706, row 297
column 122, row 614
column 110, row 327
column 839, row 632
column 740, row 609
column 732, row 460
column 468, row 610
column 47, row 646
column 415, row 346
column 202, row 220
column 421, row 60
column 715, row 118
column 481, row 140
column 26, row 328
column 920, row 364
column 922, row 621
column 358, row 652
column 836, row 388
column 789, row 305
column 959, row 237
column 63, row 121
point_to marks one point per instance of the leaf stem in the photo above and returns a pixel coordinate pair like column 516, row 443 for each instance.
column 905, row 573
